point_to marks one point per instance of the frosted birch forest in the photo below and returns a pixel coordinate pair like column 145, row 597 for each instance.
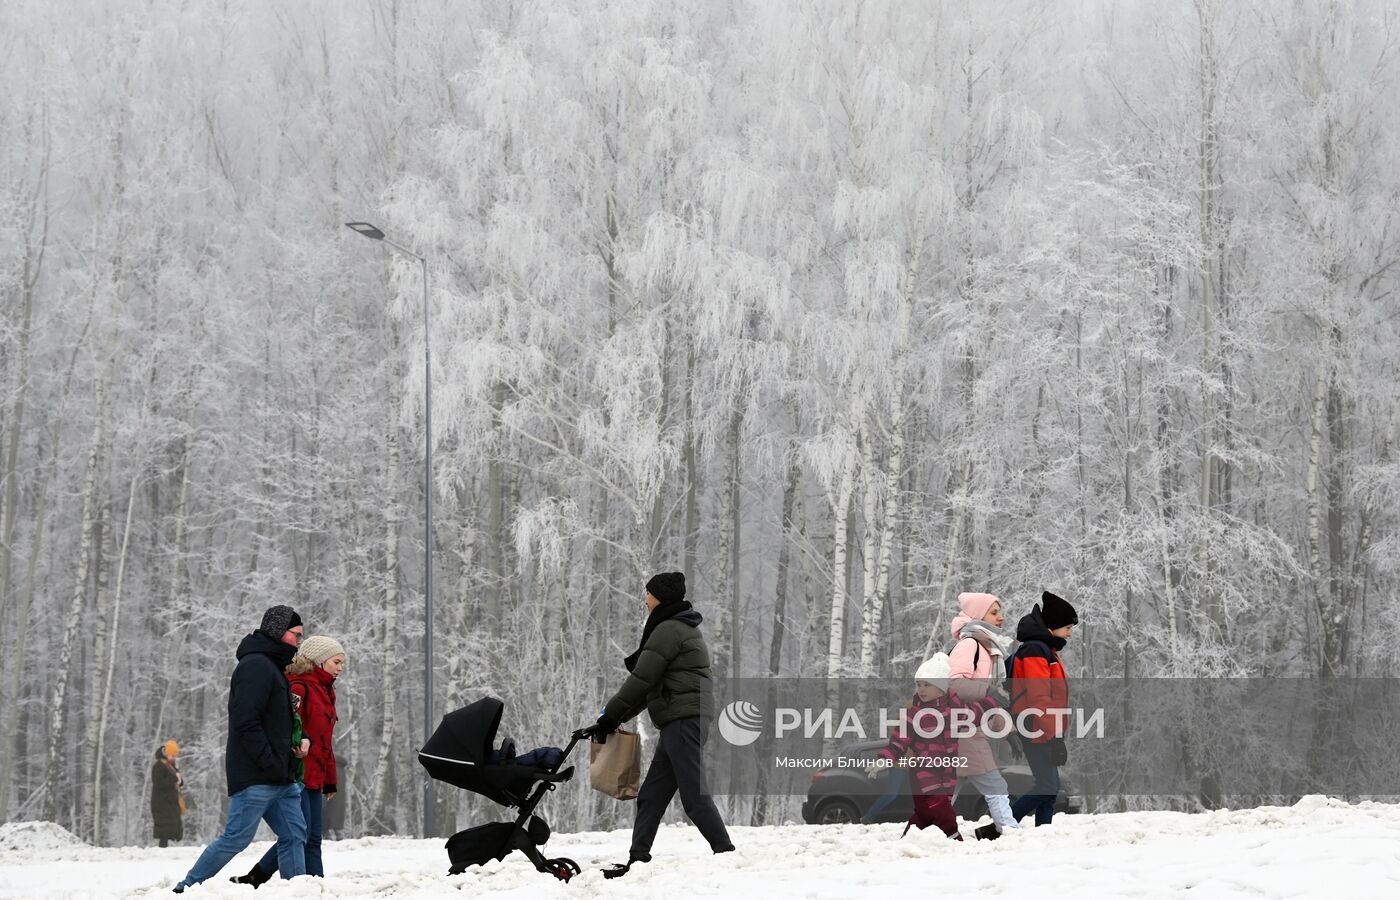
column 839, row 307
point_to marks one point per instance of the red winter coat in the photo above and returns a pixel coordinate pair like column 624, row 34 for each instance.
column 317, row 691
column 1038, row 678
column 924, row 754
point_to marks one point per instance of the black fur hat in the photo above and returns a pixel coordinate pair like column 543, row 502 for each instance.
column 278, row 620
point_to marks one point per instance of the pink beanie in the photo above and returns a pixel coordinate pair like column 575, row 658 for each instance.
column 975, row 606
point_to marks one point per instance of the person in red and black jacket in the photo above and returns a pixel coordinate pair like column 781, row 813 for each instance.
column 1038, row 683
column 312, row 675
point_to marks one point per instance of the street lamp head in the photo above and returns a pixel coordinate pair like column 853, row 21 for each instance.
column 366, row 229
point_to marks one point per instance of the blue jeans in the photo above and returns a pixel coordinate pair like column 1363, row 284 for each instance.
column 311, row 804
column 894, row 784
column 277, row 804
column 1040, row 799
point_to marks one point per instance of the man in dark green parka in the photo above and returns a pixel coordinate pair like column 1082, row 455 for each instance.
column 670, row 677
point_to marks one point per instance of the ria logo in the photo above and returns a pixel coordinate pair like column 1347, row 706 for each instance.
column 741, row 723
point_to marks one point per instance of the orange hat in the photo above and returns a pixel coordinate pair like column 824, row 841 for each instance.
column 172, row 749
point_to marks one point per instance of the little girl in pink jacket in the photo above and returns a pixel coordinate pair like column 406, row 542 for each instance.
column 924, row 743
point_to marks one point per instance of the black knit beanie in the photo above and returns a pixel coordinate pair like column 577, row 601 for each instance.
column 1056, row 612
column 668, row 587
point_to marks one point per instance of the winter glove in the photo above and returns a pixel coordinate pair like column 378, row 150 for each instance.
column 1013, row 743
column 874, row 772
column 606, row 726
column 1058, row 753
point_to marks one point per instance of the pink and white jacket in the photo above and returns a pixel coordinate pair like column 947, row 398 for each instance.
column 974, row 665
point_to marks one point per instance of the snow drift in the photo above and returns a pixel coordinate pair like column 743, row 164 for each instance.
column 1319, row 847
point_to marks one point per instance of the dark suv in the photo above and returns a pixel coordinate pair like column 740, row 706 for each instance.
column 841, row 795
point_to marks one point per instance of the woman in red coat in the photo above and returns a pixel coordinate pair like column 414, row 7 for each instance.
column 312, row 675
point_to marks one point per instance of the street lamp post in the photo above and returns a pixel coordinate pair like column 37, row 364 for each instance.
column 373, row 233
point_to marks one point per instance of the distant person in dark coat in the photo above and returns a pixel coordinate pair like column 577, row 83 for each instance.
column 259, row 759
column 167, row 800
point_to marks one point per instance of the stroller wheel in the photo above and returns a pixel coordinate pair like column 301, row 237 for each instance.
column 563, row 868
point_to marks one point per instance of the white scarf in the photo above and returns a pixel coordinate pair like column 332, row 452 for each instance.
column 983, row 633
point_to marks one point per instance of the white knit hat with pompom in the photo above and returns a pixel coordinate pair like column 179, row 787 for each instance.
column 936, row 669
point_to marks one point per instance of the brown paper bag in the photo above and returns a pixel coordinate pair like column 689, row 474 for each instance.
column 615, row 768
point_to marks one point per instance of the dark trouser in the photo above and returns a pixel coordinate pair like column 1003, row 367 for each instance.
column 934, row 809
column 679, row 763
column 1040, row 799
column 311, row 806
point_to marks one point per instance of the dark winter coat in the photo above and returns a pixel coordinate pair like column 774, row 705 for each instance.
column 923, row 755
column 318, row 717
column 165, row 801
column 1038, row 677
column 260, row 716
column 670, row 675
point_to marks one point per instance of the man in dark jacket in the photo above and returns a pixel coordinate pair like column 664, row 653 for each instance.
column 671, row 679
column 259, row 759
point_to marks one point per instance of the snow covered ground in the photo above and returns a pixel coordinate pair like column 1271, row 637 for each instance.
column 1318, row 848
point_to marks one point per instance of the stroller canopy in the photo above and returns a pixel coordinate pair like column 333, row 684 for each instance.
column 468, row 733
column 460, row 753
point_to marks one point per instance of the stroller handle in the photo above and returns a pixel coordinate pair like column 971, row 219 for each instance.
column 582, row 734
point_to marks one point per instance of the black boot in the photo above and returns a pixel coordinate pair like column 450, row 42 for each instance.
column 987, row 833
column 618, row 870
column 256, row 877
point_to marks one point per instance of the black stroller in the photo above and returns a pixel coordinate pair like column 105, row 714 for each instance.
column 460, row 752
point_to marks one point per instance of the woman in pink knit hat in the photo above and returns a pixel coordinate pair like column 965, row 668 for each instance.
column 979, row 653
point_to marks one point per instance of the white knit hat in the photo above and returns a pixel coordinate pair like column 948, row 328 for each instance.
column 318, row 648
column 936, row 669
